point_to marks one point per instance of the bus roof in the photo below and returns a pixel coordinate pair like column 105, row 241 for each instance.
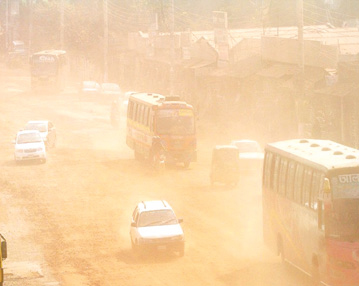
column 322, row 153
column 50, row 52
column 155, row 99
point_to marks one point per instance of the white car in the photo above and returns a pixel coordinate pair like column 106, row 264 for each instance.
column 46, row 128
column 154, row 226
column 29, row 145
column 123, row 101
column 110, row 91
column 90, row 87
column 250, row 155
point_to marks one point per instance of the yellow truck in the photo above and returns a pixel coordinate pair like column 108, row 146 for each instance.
column 3, row 256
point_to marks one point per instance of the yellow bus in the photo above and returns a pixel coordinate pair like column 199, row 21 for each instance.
column 3, row 256
column 311, row 208
column 156, row 123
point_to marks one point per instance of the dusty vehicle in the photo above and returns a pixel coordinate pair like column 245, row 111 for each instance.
column 47, row 130
column 29, row 145
column 251, row 155
column 225, row 165
column 17, row 55
column 154, row 226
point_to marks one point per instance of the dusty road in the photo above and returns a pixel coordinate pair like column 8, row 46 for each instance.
column 67, row 221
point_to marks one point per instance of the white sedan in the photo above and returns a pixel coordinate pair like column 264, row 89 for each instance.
column 154, row 226
column 250, row 155
column 110, row 91
column 29, row 145
column 46, row 128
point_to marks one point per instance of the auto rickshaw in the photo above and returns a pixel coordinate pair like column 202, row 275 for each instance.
column 225, row 165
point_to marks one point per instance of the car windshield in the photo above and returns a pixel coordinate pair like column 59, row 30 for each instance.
column 29, row 138
column 43, row 65
column 158, row 217
column 36, row 126
column 247, row 146
column 90, row 84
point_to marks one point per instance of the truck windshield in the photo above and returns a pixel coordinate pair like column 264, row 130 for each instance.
column 175, row 122
column 43, row 65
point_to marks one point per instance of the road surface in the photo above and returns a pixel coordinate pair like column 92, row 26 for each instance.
column 67, row 221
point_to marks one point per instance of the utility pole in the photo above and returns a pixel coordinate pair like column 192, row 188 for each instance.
column 301, row 89
column 7, row 25
column 30, row 25
column 105, row 38
column 62, row 24
column 172, row 27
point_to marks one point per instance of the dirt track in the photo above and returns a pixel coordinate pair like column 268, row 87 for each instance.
column 67, row 221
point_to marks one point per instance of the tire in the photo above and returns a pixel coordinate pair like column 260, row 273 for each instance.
column 181, row 252
column 136, row 249
column 133, row 246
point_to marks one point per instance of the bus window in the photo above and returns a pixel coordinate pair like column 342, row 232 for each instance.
column 151, row 118
column 317, row 177
column 290, row 180
column 136, row 112
column 267, row 169
column 307, row 184
column 145, row 118
column 276, row 171
column 282, row 177
column 298, row 183
column 141, row 114
column 130, row 110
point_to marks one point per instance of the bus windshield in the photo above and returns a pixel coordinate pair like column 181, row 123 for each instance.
column 345, row 186
column 343, row 222
column 43, row 65
column 175, row 122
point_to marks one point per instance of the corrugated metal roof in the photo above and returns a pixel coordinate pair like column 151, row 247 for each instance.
column 278, row 71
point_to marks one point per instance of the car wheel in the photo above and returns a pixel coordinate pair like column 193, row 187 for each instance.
column 136, row 249
column 181, row 252
column 186, row 164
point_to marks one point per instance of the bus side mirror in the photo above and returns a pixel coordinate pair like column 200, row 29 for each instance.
column 3, row 250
